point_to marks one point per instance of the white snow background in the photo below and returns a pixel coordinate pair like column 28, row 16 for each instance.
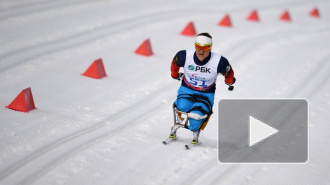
column 109, row 131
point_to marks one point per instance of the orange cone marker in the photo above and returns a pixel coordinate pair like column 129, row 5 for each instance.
column 189, row 30
column 285, row 16
column 253, row 16
column 23, row 102
column 96, row 70
column 315, row 13
column 144, row 49
column 225, row 21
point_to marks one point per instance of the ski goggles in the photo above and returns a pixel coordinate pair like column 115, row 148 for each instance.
column 204, row 48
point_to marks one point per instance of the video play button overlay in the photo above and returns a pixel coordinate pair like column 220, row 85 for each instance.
column 263, row 131
column 259, row 131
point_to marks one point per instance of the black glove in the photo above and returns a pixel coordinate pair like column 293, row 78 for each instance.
column 181, row 75
column 230, row 88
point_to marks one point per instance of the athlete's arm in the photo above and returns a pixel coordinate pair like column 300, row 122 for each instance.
column 226, row 70
column 177, row 62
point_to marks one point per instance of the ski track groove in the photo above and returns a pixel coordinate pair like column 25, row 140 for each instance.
column 26, row 9
column 98, row 127
column 23, row 55
column 201, row 173
column 258, row 41
column 176, row 148
column 100, row 138
column 317, row 77
column 126, row 175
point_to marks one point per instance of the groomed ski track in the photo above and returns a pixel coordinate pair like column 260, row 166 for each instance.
column 109, row 131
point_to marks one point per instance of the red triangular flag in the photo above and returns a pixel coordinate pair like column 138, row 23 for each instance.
column 23, row 102
column 189, row 30
column 144, row 49
column 225, row 21
column 285, row 16
column 315, row 13
column 253, row 16
column 96, row 70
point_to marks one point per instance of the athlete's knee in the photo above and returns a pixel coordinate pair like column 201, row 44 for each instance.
column 183, row 105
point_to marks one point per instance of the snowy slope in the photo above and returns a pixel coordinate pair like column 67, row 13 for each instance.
column 109, row 131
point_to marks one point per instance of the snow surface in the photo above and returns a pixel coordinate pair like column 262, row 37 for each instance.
column 109, row 131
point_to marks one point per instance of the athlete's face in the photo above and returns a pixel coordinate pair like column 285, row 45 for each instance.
column 201, row 54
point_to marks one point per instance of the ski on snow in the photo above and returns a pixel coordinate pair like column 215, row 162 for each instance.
column 187, row 146
column 190, row 145
column 168, row 140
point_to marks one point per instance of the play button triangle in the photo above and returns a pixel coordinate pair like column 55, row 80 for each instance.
column 259, row 131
